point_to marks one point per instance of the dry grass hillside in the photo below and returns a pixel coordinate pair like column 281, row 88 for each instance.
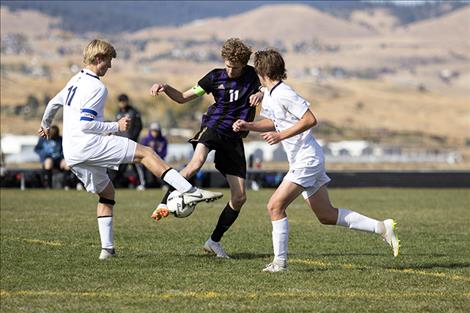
column 368, row 76
column 32, row 23
column 283, row 22
column 453, row 26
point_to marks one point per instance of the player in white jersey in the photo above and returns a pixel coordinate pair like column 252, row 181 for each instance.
column 288, row 119
column 89, row 148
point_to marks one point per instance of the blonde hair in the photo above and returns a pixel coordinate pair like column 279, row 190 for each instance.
column 234, row 50
column 98, row 48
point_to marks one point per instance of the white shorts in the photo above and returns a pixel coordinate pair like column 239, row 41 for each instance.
column 310, row 178
column 114, row 150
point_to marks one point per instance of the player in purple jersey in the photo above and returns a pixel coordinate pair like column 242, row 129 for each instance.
column 236, row 91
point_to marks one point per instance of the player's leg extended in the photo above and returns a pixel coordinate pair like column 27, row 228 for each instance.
column 197, row 161
column 104, row 213
column 160, row 168
column 228, row 216
column 329, row 215
column 277, row 205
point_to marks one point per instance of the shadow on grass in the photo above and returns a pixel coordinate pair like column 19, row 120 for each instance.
column 350, row 254
column 236, row 256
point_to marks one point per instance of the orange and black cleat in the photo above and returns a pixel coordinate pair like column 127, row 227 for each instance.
column 160, row 212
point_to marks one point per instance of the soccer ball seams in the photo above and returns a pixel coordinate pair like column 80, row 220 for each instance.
column 177, row 206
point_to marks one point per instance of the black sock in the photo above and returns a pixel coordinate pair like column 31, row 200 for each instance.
column 48, row 178
column 165, row 197
column 226, row 219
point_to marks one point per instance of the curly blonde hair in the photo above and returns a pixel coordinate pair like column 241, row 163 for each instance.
column 234, row 50
column 97, row 48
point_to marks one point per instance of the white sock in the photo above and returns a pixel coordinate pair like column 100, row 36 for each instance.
column 357, row 221
column 105, row 226
column 177, row 181
column 280, row 239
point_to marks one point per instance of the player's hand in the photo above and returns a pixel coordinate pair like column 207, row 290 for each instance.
column 240, row 125
column 157, row 88
column 271, row 137
column 43, row 132
column 124, row 123
column 256, row 99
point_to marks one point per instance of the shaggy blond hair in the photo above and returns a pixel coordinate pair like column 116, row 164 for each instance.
column 235, row 51
column 98, row 48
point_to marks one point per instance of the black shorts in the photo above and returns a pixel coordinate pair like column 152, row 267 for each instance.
column 229, row 152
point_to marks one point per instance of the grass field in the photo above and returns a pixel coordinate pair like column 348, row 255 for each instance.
column 50, row 247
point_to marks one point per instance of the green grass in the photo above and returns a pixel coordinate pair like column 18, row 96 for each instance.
column 50, row 247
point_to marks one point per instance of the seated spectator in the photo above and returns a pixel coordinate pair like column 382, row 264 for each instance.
column 119, row 177
column 159, row 144
column 51, row 155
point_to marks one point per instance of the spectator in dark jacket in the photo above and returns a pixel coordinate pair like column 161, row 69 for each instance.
column 51, row 155
column 159, row 144
column 135, row 125
column 133, row 132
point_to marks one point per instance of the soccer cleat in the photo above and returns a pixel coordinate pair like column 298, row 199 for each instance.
column 160, row 212
column 107, row 253
column 276, row 266
column 200, row 195
column 390, row 236
column 213, row 247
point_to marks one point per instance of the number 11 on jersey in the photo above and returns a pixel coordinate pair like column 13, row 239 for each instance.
column 70, row 95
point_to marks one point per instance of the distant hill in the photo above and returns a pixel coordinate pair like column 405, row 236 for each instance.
column 257, row 24
column 129, row 16
column 26, row 21
column 454, row 25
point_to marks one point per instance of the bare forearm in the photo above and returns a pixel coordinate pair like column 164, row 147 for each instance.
column 174, row 94
column 263, row 125
column 306, row 122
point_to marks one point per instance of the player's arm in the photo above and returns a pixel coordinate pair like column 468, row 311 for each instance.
column 255, row 99
column 175, row 94
column 51, row 109
column 89, row 113
column 307, row 121
column 262, row 125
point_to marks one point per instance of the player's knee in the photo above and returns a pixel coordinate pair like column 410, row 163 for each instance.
column 148, row 152
column 108, row 192
column 48, row 163
column 238, row 200
column 274, row 207
column 107, row 201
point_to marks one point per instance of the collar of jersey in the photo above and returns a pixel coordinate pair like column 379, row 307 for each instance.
column 274, row 87
column 89, row 73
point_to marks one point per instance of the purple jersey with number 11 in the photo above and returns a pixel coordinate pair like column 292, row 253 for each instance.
column 231, row 97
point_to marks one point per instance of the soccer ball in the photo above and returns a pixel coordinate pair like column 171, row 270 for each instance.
column 177, row 207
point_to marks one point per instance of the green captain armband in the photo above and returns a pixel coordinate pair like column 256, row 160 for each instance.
column 198, row 90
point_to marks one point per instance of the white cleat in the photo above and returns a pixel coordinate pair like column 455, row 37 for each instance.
column 276, row 266
column 213, row 247
column 200, row 195
column 107, row 253
column 390, row 236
